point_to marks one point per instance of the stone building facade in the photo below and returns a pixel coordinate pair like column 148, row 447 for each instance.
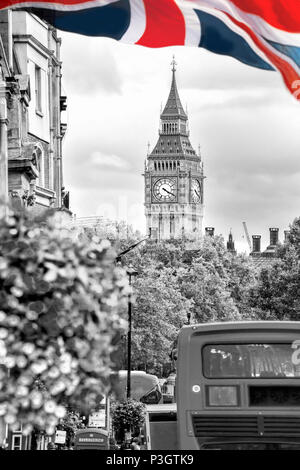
column 31, row 107
column 174, row 177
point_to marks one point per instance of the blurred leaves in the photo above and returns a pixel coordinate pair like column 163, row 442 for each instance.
column 60, row 300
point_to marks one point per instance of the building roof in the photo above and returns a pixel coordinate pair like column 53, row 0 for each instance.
column 173, row 106
column 175, row 144
column 261, row 262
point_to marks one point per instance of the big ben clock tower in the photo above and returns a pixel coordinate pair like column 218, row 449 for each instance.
column 174, row 177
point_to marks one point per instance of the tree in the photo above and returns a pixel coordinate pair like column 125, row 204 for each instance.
column 277, row 292
column 70, row 423
column 176, row 286
column 127, row 416
column 60, row 320
column 120, row 234
column 159, row 312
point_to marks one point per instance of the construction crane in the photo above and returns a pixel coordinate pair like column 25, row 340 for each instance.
column 247, row 235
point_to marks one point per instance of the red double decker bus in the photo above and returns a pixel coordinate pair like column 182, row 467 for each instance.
column 238, row 386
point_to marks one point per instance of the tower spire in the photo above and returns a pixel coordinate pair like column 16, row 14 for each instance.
column 173, row 63
column 173, row 106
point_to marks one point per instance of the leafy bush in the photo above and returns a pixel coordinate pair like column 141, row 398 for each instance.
column 60, row 318
column 127, row 416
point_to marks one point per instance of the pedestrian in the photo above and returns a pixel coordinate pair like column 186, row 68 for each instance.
column 51, row 446
column 135, row 444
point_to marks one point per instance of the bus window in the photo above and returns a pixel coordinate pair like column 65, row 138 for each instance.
column 248, row 360
column 152, row 397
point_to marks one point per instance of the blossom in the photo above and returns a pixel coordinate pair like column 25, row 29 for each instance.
column 59, row 319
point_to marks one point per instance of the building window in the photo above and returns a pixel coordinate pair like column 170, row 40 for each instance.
column 16, row 442
column 40, row 167
column 38, row 89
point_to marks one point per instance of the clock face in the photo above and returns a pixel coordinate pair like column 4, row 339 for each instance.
column 164, row 190
column 196, row 191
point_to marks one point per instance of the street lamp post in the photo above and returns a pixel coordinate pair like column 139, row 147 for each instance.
column 131, row 272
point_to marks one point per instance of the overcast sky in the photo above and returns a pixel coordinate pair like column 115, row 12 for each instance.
column 246, row 122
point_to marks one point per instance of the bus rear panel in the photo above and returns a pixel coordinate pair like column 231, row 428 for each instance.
column 238, row 386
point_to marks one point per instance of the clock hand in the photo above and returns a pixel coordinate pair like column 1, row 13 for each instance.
column 169, row 192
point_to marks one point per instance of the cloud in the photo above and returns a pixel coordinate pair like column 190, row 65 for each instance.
column 110, row 161
column 91, row 66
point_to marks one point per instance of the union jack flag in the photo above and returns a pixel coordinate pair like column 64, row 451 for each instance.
column 260, row 33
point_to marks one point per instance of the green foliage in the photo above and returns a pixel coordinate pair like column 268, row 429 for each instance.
column 176, row 286
column 60, row 318
column 276, row 294
column 120, row 234
column 127, row 415
column 159, row 312
column 70, row 423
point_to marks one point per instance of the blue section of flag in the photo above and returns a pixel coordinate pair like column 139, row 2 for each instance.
column 217, row 37
column 111, row 20
column 290, row 51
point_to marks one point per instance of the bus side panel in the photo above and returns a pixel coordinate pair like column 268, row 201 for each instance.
column 186, row 440
column 163, row 435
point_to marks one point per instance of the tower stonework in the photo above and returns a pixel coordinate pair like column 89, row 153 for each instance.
column 174, row 177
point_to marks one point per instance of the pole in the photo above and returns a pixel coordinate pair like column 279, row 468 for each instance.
column 129, row 343
column 3, row 151
column 131, row 272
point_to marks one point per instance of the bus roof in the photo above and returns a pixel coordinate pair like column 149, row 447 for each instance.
column 161, row 407
column 141, row 384
column 242, row 325
column 92, row 430
column 134, row 373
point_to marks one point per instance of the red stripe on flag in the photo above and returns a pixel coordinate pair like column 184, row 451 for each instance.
column 283, row 14
column 165, row 25
column 289, row 74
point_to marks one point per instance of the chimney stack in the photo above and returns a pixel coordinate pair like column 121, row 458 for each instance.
column 256, row 240
column 210, row 231
column 274, row 236
column 286, row 236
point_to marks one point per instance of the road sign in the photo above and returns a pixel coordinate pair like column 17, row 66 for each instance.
column 60, row 437
column 98, row 420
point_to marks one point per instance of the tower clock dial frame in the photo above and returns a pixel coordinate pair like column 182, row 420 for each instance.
column 164, row 190
column 196, row 192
